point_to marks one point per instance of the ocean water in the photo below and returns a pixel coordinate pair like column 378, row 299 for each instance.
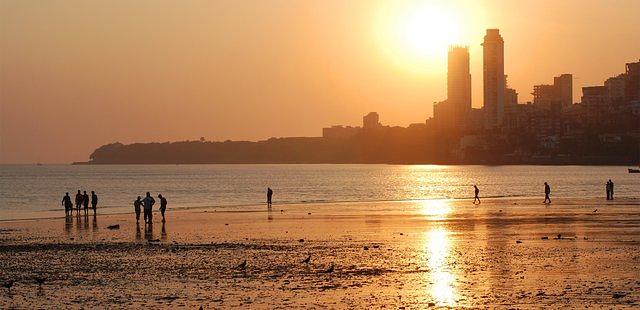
column 28, row 191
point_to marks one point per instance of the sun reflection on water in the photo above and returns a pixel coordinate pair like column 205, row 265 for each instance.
column 438, row 246
column 438, row 209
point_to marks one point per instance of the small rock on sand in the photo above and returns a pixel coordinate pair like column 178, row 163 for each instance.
column 545, row 238
column 301, row 240
column 366, row 247
column 518, row 241
column 117, row 226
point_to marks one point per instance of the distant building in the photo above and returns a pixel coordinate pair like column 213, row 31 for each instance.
column 595, row 96
column 564, row 89
column 452, row 113
column 632, row 87
column 340, row 132
column 616, row 87
column 493, row 78
column 459, row 79
column 558, row 96
column 371, row 121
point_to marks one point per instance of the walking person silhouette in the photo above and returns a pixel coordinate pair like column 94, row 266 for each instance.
column 547, row 192
column 68, row 205
column 611, row 189
column 477, row 192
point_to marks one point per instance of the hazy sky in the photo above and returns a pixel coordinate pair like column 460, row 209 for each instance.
column 75, row 75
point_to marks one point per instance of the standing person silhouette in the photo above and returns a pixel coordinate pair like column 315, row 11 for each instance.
column 547, row 192
column 608, row 186
column 94, row 201
column 269, row 195
column 136, row 206
column 163, row 205
column 68, row 205
column 611, row 188
column 477, row 192
column 85, row 202
column 148, row 203
column 79, row 199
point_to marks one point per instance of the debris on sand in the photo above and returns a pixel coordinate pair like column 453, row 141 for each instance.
column 112, row 227
column 307, row 260
column 242, row 265
column 366, row 247
column 330, row 269
column 301, row 240
column 618, row 295
column 518, row 241
column 545, row 238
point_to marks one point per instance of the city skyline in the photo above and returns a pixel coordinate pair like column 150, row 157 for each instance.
column 41, row 89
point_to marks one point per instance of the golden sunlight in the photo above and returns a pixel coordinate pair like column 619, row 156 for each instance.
column 438, row 209
column 416, row 35
column 442, row 290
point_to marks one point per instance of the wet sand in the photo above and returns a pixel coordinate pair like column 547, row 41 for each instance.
column 415, row 254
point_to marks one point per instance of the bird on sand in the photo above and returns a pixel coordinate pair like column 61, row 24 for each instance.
column 8, row 285
column 330, row 269
column 242, row 265
column 306, row 260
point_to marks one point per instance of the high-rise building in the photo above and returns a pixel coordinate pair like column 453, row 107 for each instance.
column 459, row 79
column 564, row 89
column 493, row 78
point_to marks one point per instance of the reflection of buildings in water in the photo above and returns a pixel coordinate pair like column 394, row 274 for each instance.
column 437, row 245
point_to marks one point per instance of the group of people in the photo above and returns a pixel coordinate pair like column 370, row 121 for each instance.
column 547, row 192
column 146, row 204
column 82, row 200
column 609, row 187
column 140, row 204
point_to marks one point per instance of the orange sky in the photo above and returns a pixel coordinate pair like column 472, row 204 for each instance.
column 78, row 74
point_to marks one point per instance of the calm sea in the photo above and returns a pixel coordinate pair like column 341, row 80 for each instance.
column 36, row 191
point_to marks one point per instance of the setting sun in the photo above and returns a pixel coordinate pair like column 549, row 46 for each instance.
column 416, row 35
column 427, row 31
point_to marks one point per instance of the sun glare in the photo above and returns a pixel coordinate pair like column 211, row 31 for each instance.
column 416, row 35
column 427, row 31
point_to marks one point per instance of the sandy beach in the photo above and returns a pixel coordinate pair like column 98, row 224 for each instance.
column 511, row 253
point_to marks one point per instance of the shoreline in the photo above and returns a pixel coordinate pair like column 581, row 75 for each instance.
column 260, row 207
column 501, row 253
